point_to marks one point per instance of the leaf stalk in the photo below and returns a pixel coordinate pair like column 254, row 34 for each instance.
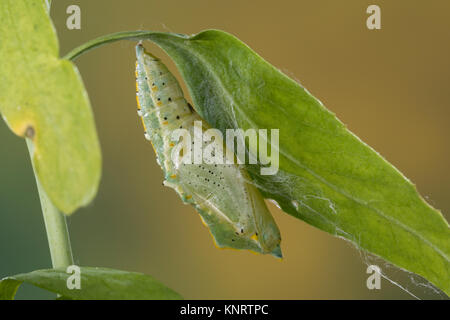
column 55, row 225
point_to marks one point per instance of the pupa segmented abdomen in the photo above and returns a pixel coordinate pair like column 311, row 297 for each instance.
column 228, row 203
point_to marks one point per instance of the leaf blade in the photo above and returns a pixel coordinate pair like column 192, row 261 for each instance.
column 328, row 177
column 43, row 97
column 96, row 284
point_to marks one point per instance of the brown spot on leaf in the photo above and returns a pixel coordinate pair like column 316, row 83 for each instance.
column 29, row 132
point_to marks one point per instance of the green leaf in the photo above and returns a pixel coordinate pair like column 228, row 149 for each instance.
column 328, row 177
column 43, row 97
column 95, row 283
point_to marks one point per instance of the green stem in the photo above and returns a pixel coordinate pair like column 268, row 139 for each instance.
column 55, row 225
column 126, row 35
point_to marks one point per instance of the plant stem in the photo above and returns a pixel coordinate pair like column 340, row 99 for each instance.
column 55, row 225
column 125, row 35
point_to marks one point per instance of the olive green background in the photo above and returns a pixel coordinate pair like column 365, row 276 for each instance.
column 389, row 86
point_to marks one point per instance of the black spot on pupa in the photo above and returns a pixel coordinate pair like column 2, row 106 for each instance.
column 170, row 99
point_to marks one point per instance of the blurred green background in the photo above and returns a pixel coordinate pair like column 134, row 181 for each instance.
column 389, row 86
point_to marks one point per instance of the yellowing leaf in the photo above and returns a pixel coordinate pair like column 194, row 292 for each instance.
column 43, row 97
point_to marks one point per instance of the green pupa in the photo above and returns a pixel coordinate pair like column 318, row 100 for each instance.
column 228, row 203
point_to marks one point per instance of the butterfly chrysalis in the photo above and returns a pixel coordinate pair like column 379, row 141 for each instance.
column 228, row 203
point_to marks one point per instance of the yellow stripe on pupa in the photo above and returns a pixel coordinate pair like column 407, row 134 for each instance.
column 138, row 103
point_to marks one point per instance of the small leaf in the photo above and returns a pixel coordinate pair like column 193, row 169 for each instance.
column 96, row 284
column 43, row 98
column 328, row 177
